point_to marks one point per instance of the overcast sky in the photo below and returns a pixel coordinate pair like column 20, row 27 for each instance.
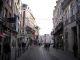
column 42, row 11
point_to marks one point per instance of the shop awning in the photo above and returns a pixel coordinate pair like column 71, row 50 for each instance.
column 2, row 35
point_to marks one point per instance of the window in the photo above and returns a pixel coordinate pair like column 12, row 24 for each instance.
column 5, row 13
column 72, row 9
column 58, row 13
column 78, row 1
column 7, row 22
column 18, row 1
column 78, row 5
column 6, row 0
column 10, row 3
column 60, row 9
column 66, row 14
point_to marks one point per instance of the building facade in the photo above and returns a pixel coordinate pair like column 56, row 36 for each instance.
column 27, row 23
column 7, row 30
column 58, row 25
column 17, row 15
column 71, row 23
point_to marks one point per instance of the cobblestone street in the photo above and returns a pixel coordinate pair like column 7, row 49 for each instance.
column 40, row 53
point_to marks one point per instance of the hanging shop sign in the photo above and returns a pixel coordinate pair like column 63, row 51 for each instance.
column 28, row 32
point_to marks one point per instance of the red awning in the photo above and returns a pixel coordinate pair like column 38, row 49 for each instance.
column 2, row 35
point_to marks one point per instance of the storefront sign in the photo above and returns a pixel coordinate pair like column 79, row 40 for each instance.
column 28, row 32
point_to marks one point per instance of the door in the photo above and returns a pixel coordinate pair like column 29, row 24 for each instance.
column 66, row 41
column 74, row 34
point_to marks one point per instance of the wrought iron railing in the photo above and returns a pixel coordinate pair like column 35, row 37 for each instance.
column 65, row 3
column 72, row 18
column 77, row 15
column 66, row 22
column 60, row 24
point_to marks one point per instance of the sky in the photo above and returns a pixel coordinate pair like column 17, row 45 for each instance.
column 43, row 13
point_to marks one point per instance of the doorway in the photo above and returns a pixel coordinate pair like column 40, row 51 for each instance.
column 74, row 29
column 79, row 32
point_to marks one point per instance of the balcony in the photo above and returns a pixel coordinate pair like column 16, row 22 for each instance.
column 78, row 15
column 14, row 27
column 66, row 22
column 59, row 26
column 78, row 18
column 72, row 18
column 52, row 32
column 11, row 20
column 65, row 3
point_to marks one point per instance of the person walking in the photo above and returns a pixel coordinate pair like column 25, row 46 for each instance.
column 48, row 46
column 23, row 46
column 75, row 49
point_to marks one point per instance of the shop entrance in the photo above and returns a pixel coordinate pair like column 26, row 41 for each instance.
column 74, row 29
column 79, row 32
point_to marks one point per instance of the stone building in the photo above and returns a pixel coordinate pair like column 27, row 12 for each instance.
column 58, row 25
column 71, row 23
column 27, row 23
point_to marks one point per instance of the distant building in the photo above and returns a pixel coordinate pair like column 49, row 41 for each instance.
column 27, row 23
column 46, row 38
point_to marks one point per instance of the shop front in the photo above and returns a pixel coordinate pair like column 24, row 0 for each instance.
column 78, row 35
column 58, row 34
column 1, row 38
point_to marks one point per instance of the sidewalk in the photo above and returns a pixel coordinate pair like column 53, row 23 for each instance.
column 67, row 53
column 40, row 53
column 13, row 54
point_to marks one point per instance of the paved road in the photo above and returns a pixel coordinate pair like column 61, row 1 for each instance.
column 40, row 53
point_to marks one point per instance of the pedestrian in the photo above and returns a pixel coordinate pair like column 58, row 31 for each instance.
column 7, row 51
column 23, row 46
column 75, row 49
column 19, row 45
column 30, row 41
column 48, row 46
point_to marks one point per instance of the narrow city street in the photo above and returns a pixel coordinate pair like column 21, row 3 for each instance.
column 40, row 53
